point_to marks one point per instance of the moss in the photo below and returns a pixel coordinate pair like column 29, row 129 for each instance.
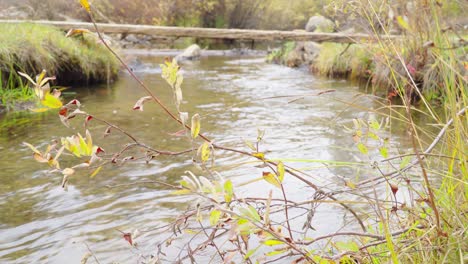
column 31, row 48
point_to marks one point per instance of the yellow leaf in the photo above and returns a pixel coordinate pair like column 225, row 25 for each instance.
column 271, row 178
column 350, row 185
column 51, row 101
column 205, row 152
column 402, row 22
column 32, row 148
column 195, row 129
column 85, row 5
column 280, row 169
column 259, row 155
column 96, row 171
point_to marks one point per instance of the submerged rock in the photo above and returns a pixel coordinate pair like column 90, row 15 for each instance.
column 193, row 52
column 319, row 24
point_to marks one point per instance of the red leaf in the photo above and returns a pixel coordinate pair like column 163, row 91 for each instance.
column 63, row 111
column 99, row 150
column 89, row 117
column 128, row 238
column 75, row 102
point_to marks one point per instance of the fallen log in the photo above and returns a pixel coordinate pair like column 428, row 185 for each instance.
column 213, row 33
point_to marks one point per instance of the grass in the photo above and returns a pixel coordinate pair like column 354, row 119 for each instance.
column 31, row 48
column 13, row 92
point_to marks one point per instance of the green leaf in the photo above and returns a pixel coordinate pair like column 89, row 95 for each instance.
column 271, row 178
column 405, row 161
column 275, row 252
column 349, row 246
column 280, row 169
column 273, row 242
column 362, row 148
column 51, row 101
column 384, row 152
column 181, row 192
column 250, row 145
column 214, row 217
column 250, row 212
column 195, row 129
column 373, row 136
column 228, row 191
column 251, row 252
column 374, row 125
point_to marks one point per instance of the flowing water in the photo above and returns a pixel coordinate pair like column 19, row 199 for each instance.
column 235, row 95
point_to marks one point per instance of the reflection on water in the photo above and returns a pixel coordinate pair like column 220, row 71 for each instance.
column 39, row 222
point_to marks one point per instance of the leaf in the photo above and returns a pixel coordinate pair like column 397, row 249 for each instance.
column 271, row 178
column 128, row 238
column 273, row 242
column 76, row 31
column 374, row 124
column 181, row 192
column 350, row 184
column 95, row 172
column 85, row 5
column 51, row 101
column 27, row 77
column 39, row 158
column 350, row 246
column 139, row 104
column 280, row 170
column 251, row 252
column 214, row 217
column 402, row 22
column 405, row 161
column 205, row 152
column 207, row 185
column 250, row 145
column 259, row 155
column 249, row 212
column 195, row 129
column 384, row 152
column 228, row 191
column 183, row 117
column 34, row 149
column 362, row 148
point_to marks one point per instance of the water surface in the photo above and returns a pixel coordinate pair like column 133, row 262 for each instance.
column 42, row 223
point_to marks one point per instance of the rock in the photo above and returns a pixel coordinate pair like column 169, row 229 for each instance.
column 193, row 52
column 311, row 50
column 293, row 58
column 319, row 24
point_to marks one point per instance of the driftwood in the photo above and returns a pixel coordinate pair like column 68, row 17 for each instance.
column 214, row 33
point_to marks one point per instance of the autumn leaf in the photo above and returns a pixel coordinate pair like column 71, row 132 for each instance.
column 85, row 5
column 271, row 178
column 281, row 170
column 195, row 129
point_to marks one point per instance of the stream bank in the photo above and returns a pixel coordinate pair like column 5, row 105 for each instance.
column 78, row 59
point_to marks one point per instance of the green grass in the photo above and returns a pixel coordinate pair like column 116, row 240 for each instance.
column 31, row 48
column 13, row 91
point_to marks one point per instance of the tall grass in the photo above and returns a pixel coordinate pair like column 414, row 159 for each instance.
column 426, row 64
